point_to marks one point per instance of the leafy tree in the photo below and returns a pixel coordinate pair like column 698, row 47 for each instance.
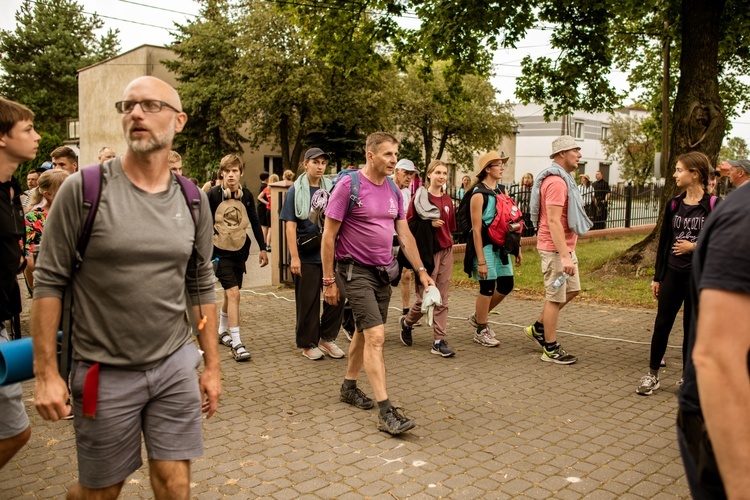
column 734, row 149
column 207, row 50
column 631, row 144
column 40, row 58
column 444, row 115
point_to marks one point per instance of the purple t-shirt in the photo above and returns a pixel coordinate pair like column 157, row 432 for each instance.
column 367, row 231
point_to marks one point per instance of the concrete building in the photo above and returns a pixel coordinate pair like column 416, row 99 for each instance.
column 535, row 136
column 101, row 85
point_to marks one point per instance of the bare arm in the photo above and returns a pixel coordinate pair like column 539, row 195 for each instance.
column 50, row 390
column 409, row 246
column 210, row 378
column 291, row 240
column 554, row 220
column 475, row 209
column 327, row 246
column 721, row 362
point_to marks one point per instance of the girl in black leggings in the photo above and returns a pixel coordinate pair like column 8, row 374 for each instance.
column 683, row 219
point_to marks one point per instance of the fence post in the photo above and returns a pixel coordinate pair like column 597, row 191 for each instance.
column 628, row 203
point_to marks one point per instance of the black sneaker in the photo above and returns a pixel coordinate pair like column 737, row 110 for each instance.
column 442, row 349
column 406, row 332
column 356, row 397
column 537, row 337
column 394, row 421
column 558, row 355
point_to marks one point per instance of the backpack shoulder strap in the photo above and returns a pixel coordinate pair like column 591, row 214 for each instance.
column 91, row 185
column 353, row 189
column 192, row 197
column 712, row 202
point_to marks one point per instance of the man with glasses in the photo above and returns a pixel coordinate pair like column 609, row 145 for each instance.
column 134, row 359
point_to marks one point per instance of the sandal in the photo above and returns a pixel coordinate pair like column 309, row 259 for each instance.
column 225, row 339
column 240, row 353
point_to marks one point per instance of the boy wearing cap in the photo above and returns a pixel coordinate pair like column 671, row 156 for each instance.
column 18, row 142
column 557, row 205
column 315, row 334
column 233, row 210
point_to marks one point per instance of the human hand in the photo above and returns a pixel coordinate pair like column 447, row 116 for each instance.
column 263, row 258
column 655, row 289
column 51, row 397
column 210, row 388
column 568, row 267
column 683, row 247
column 331, row 294
column 296, row 266
column 438, row 223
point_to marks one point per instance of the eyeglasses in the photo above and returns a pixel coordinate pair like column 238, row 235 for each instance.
column 148, row 106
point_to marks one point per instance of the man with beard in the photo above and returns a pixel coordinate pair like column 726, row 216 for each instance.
column 134, row 359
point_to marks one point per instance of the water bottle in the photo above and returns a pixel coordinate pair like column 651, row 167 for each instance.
column 559, row 281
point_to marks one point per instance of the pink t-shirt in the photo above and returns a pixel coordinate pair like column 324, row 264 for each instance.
column 367, row 231
column 554, row 191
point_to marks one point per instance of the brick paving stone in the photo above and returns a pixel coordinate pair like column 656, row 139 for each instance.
column 280, row 425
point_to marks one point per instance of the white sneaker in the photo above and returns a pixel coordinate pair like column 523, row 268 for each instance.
column 329, row 347
column 312, row 353
column 485, row 338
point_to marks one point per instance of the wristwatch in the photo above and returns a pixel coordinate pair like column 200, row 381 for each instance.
column 422, row 269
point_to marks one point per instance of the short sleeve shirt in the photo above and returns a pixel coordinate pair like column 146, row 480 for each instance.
column 554, row 191
column 721, row 262
column 304, row 227
column 366, row 233
column 447, row 214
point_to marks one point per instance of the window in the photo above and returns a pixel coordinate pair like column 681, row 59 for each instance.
column 578, row 130
column 73, row 129
column 605, row 133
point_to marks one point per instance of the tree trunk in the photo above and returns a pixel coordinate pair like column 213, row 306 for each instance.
column 441, row 146
column 698, row 119
column 427, row 139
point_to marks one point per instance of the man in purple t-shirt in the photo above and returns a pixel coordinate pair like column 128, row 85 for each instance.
column 364, row 242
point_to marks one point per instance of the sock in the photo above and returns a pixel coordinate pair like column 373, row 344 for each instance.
column 539, row 327
column 234, row 331
column 436, row 343
column 405, row 311
column 223, row 322
column 384, row 406
column 481, row 326
column 653, row 372
column 349, row 384
column 550, row 346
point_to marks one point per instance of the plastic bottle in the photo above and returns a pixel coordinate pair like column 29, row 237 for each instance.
column 560, row 280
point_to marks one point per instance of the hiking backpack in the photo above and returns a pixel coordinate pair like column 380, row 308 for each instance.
column 711, row 203
column 353, row 174
column 499, row 231
column 91, row 185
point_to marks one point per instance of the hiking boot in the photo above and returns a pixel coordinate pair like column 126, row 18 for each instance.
column 484, row 338
column 558, row 355
column 649, row 383
column 313, row 353
column 329, row 347
column 349, row 334
column 406, row 332
column 240, row 353
column 394, row 421
column 225, row 339
column 442, row 349
column 356, row 397
column 475, row 325
column 537, row 337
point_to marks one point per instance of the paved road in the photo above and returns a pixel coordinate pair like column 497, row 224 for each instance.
column 491, row 423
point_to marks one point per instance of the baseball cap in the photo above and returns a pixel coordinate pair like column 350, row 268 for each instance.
column 743, row 164
column 316, row 153
column 406, row 165
column 47, row 165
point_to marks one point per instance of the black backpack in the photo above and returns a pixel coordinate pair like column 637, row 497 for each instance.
column 463, row 214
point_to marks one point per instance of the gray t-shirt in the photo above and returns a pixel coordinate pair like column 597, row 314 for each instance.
column 129, row 293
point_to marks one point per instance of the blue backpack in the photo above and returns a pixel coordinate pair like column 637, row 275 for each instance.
column 353, row 174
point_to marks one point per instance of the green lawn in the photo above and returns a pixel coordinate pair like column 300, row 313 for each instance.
column 596, row 286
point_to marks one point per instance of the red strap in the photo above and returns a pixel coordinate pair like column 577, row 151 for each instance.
column 90, row 391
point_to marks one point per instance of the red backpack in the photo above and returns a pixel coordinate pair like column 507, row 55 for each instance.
column 505, row 229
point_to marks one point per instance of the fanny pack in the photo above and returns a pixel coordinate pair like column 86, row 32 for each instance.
column 309, row 242
column 385, row 274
